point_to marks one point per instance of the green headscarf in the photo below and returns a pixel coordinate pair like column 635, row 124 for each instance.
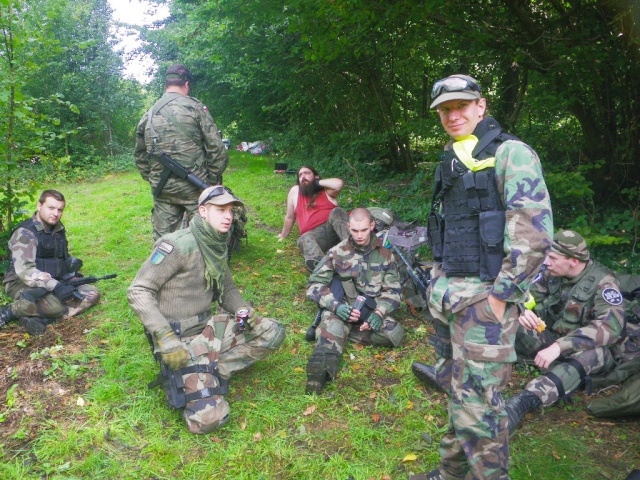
column 213, row 247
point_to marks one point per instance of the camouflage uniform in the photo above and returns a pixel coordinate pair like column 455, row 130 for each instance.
column 170, row 289
column 585, row 316
column 371, row 272
column 475, row 349
column 194, row 142
column 23, row 274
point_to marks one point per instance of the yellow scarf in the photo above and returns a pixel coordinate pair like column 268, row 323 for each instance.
column 464, row 147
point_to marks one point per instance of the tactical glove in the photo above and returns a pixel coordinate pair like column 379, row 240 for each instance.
column 375, row 321
column 253, row 318
column 66, row 292
column 174, row 354
column 343, row 311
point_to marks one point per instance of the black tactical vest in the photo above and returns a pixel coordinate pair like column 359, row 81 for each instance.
column 52, row 250
column 467, row 236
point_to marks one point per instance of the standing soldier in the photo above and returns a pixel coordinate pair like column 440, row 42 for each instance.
column 181, row 127
column 490, row 227
column 359, row 265
column 40, row 261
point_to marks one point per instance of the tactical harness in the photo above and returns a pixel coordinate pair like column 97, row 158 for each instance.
column 52, row 250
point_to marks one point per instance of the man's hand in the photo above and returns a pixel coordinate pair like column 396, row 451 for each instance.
column 375, row 321
column 253, row 317
column 66, row 292
column 281, row 237
column 546, row 357
column 173, row 352
column 529, row 320
column 344, row 312
column 316, row 182
column 497, row 306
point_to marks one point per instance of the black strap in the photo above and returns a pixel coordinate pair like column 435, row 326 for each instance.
column 222, row 389
column 585, row 380
column 557, row 382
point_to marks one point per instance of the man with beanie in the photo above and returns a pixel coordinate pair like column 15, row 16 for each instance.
column 181, row 127
column 575, row 329
column 174, row 293
column 490, row 227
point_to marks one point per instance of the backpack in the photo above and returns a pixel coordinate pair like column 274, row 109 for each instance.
column 238, row 230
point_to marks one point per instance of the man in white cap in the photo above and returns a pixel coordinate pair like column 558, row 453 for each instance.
column 490, row 226
column 174, row 293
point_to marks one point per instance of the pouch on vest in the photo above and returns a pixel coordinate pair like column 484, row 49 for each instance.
column 491, row 241
column 435, row 233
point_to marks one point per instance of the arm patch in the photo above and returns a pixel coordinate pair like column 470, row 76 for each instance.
column 160, row 252
column 612, row 296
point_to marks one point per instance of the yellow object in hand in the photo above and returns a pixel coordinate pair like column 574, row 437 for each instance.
column 541, row 326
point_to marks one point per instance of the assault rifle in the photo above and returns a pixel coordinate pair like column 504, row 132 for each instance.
column 180, row 171
column 420, row 278
column 35, row 293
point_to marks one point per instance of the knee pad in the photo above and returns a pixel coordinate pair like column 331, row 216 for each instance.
column 278, row 336
column 391, row 338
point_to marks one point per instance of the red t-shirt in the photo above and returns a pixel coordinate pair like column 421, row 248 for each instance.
column 308, row 219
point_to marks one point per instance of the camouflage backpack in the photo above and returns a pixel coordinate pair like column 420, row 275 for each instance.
column 238, row 231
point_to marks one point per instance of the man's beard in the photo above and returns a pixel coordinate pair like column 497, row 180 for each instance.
column 308, row 189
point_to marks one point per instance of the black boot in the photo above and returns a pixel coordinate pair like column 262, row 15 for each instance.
column 426, row 374
column 518, row 406
column 6, row 315
column 321, row 368
column 34, row 325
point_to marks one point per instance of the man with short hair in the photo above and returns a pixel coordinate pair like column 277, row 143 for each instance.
column 174, row 293
column 313, row 203
column 40, row 262
column 490, row 226
column 181, row 127
column 575, row 329
column 359, row 265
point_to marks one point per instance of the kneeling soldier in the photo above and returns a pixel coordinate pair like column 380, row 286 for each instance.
column 173, row 294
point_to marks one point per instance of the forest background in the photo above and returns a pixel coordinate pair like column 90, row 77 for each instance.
column 344, row 85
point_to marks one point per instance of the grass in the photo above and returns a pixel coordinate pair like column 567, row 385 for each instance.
column 361, row 427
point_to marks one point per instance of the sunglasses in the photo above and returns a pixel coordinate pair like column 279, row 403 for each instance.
column 216, row 192
column 453, row 84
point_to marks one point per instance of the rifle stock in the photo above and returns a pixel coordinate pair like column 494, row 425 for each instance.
column 180, row 171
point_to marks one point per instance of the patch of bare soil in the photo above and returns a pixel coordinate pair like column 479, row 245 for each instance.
column 36, row 385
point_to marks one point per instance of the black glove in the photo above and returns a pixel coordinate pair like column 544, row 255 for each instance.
column 66, row 292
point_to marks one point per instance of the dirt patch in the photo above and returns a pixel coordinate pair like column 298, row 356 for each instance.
column 37, row 382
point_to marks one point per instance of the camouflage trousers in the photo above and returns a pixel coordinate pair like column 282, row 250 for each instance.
column 317, row 241
column 564, row 370
column 332, row 334
column 221, row 345
column 474, row 365
column 50, row 306
column 167, row 216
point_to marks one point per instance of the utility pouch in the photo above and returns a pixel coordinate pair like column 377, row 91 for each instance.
column 435, row 233
column 491, row 242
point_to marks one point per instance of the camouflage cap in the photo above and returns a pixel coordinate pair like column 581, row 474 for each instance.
column 570, row 244
column 178, row 71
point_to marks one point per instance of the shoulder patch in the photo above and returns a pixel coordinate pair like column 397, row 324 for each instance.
column 160, row 252
column 612, row 296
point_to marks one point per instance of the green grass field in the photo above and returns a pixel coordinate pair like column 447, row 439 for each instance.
column 89, row 415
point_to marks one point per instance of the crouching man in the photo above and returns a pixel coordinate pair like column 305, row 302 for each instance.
column 359, row 265
column 173, row 294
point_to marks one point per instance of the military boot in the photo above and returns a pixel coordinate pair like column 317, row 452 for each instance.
column 518, row 406
column 34, row 325
column 6, row 315
column 426, row 374
column 321, row 368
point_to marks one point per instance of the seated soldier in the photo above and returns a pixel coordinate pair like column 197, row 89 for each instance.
column 40, row 262
column 313, row 203
column 574, row 331
column 174, row 293
column 359, row 265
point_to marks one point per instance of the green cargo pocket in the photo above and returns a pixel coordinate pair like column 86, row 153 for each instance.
column 490, row 353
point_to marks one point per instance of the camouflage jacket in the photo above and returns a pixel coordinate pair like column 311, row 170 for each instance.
column 371, row 271
column 585, row 312
column 528, row 235
column 171, row 287
column 196, row 144
column 23, row 246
